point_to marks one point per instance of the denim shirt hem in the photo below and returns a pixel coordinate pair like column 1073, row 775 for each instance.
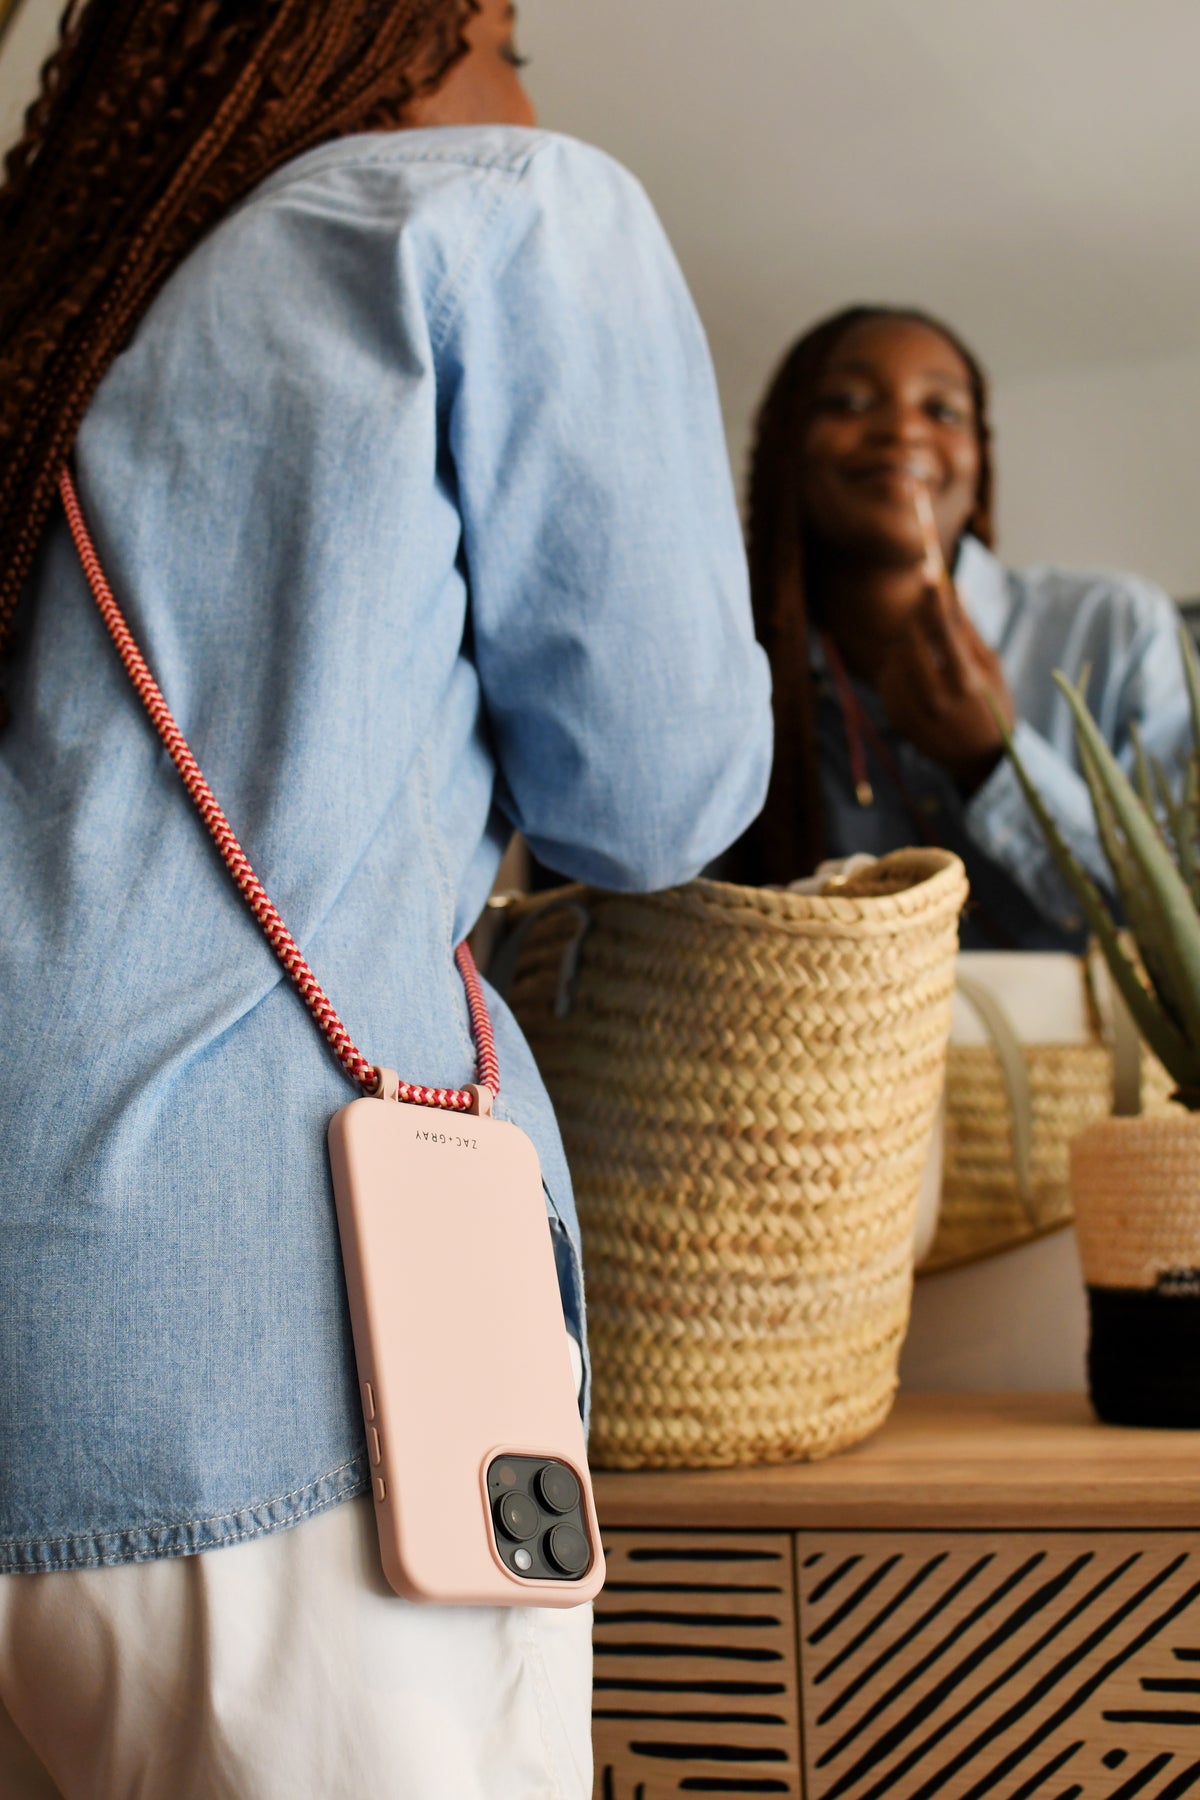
column 83, row 1550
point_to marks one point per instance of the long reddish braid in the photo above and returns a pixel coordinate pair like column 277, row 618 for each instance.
column 155, row 117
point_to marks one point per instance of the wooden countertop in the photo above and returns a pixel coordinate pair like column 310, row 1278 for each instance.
column 941, row 1461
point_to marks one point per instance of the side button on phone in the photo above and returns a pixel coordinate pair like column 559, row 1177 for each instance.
column 368, row 1401
column 374, row 1444
column 380, row 1489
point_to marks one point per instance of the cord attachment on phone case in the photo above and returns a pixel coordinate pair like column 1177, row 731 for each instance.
column 372, row 1079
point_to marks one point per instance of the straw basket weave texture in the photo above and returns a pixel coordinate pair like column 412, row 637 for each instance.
column 981, row 1210
column 1137, row 1220
column 1070, row 1087
column 1137, row 1189
column 746, row 1082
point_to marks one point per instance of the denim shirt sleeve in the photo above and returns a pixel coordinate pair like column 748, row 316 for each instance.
column 626, row 696
column 1126, row 633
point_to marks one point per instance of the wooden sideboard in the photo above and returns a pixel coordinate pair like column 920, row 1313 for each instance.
column 994, row 1596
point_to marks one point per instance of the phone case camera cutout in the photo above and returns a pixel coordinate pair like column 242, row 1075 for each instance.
column 537, row 1510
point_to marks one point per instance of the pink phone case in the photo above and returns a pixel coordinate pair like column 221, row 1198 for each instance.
column 460, row 1341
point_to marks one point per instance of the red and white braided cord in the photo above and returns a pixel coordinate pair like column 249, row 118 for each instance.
column 250, row 887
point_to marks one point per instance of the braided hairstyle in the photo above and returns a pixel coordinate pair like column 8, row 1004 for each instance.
column 788, row 838
column 154, row 117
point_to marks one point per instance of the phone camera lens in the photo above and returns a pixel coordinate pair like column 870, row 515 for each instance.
column 518, row 1516
column 568, row 1549
column 557, row 1488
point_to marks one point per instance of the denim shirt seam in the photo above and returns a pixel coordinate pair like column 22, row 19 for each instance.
column 151, row 1530
column 227, row 1538
column 402, row 156
column 445, row 312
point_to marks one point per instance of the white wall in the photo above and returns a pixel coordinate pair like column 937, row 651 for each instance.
column 1069, row 270
column 1013, row 1321
column 1025, row 168
column 1102, row 466
column 27, row 41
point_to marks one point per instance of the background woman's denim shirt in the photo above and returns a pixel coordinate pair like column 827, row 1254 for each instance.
column 1125, row 632
column 413, row 485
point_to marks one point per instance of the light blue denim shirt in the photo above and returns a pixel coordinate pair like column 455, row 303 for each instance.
column 1037, row 620
column 413, row 485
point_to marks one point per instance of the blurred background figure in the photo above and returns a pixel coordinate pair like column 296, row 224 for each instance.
column 901, row 648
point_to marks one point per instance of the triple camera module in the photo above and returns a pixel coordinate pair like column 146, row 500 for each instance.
column 537, row 1513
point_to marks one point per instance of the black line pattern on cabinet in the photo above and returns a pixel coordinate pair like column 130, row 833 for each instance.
column 690, row 1587
column 1045, row 1684
column 701, row 1718
column 718, row 1619
column 716, row 1615
column 900, row 1643
column 630, row 1685
column 1142, row 1778
column 852, row 1602
column 885, row 1612
column 1034, row 1786
column 715, row 1784
column 1181, row 1784
column 1089, row 1687
column 828, row 1582
column 1133, row 1715
column 932, row 1656
column 1033, row 1605
column 647, row 1553
column 1017, row 1710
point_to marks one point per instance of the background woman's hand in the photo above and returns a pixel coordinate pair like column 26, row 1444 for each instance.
column 936, row 684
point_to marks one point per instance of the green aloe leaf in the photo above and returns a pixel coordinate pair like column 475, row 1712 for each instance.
column 1191, row 809
column 1191, row 673
column 1135, row 890
column 1177, row 814
column 1165, row 1039
column 1158, row 903
column 1141, row 770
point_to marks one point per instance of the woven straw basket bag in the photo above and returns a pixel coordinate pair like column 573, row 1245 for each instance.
column 1019, row 1089
column 746, row 1082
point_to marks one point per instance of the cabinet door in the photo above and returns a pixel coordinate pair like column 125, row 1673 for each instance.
column 1021, row 1666
column 695, row 1674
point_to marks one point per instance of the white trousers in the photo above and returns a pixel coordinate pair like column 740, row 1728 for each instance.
column 284, row 1668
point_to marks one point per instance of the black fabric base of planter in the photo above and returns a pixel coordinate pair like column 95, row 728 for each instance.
column 1144, row 1353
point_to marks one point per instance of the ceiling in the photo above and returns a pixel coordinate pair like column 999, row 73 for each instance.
column 1027, row 168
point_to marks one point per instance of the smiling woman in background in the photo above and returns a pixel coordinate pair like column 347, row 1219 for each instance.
column 873, row 441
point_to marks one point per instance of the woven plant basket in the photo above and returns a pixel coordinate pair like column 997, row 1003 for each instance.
column 1070, row 1085
column 1136, row 1185
column 746, row 1082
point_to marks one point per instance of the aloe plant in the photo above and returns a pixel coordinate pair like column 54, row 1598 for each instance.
column 1149, row 838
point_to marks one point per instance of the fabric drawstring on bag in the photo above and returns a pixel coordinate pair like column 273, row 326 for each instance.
column 368, row 1075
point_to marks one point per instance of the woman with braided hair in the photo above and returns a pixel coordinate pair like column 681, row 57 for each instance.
column 396, row 435
column 896, row 636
